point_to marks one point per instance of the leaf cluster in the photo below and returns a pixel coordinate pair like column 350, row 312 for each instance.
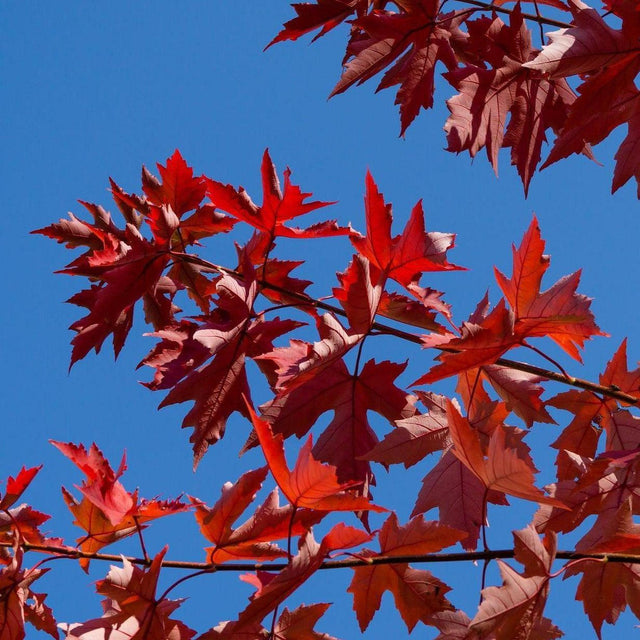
column 472, row 453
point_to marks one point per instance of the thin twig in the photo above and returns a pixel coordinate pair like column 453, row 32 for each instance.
column 487, row 6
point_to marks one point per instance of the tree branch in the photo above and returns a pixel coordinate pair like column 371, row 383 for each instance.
column 525, row 367
column 487, row 6
column 348, row 563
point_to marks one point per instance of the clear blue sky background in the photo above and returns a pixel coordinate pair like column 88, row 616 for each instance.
column 92, row 90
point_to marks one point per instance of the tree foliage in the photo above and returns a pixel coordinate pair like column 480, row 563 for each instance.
column 210, row 321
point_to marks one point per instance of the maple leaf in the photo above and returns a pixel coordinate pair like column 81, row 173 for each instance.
column 15, row 487
column 592, row 413
column 479, row 113
column 459, row 496
column 358, row 296
column 107, row 512
column 516, row 608
column 502, row 470
column 606, row 589
column 453, row 625
column 416, row 592
column 324, row 15
column 131, row 608
column 204, row 222
column 230, row 335
column 559, row 312
column 404, row 257
column 178, row 190
column 273, row 589
column 301, row 362
column 310, row 483
column 608, row 96
column 298, row 624
column 415, row 38
column 416, row 436
column 254, row 538
column 23, row 523
column 20, row 603
column 127, row 268
column 480, row 343
column 277, row 206
column 349, row 437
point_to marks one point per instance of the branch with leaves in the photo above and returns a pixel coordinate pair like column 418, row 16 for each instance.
column 510, row 93
column 472, row 457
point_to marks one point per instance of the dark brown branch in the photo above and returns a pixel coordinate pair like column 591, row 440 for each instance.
column 587, row 385
column 487, row 6
column 428, row 558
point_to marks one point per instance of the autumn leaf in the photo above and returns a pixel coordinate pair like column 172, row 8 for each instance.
column 131, row 609
column 416, row 592
column 178, row 189
column 608, row 60
column 278, row 206
column 272, row 589
column 502, row 469
column 255, row 538
column 405, row 257
column 413, row 40
column 15, row 487
column 480, row 343
column 107, row 512
column 346, row 442
column 508, row 105
column 310, row 484
column 324, row 15
column 415, row 437
column 298, row 624
column 206, row 364
column 559, row 312
column 460, row 497
column 301, row 362
column 519, row 604
column 20, row 604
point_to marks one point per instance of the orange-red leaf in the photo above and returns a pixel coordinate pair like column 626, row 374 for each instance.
column 310, row 483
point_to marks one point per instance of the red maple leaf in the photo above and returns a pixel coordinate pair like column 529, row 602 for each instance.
column 127, row 268
column 349, row 436
column 503, row 469
column 272, row 589
column 277, row 206
column 417, row 593
column 506, row 611
column 310, row 484
column 416, row 436
column 488, row 96
column 324, row 15
column 19, row 604
column 131, row 609
column 460, row 497
column 414, row 39
column 609, row 60
column 482, row 342
column 15, row 487
column 107, row 512
column 230, row 334
column 255, row 538
column 178, row 189
column 405, row 257
column 559, row 312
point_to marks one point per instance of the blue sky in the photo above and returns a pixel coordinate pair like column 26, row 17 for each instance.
column 96, row 90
